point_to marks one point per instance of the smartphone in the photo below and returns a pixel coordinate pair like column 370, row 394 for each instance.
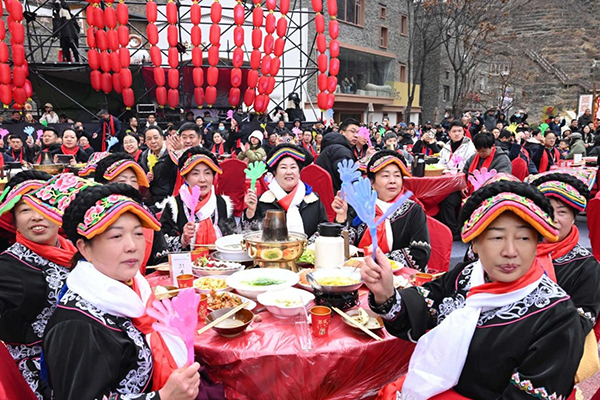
column 64, row 158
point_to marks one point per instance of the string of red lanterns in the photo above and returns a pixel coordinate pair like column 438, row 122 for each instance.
column 239, row 16
column 93, row 54
column 212, row 75
column 255, row 56
column 334, row 52
column 173, row 55
column 20, row 68
column 124, row 55
column 5, row 77
column 196, row 34
column 155, row 54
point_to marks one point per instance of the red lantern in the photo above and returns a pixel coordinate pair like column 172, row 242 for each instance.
column 256, row 38
column 270, row 23
column 173, row 78
column 269, row 43
column 113, row 39
column 213, row 55
column 116, row 83
column 173, row 98
column 125, row 57
column 238, row 36
column 282, row 27
column 195, row 13
column 270, row 85
column 122, row 14
column 234, row 96
column 257, row 16
column 322, row 100
column 199, row 96
column 330, row 101
column 332, row 7
column 211, row 95
column 215, row 34
column 212, row 76
column 322, row 82
column 322, row 62
column 152, row 33
column 161, row 95
column 173, row 57
column 2, row 30
column 334, row 48
column 110, row 17
column 115, row 61
column 332, row 84
column 196, row 35
column 5, row 94
column 239, row 14
column 19, row 95
column 261, row 103
column 128, row 98
column 279, row 47
column 255, row 59
column 334, row 29
column 106, row 82
column 238, row 57
column 249, row 97
column 320, row 23
column 236, row 77
column 28, row 88
column 252, row 78
column 317, row 5
column 263, row 83
column 18, row 32
column 159, row 76
column 105, row 64
column 95, row 79
column 155, row 56
column 284, row 6
column 321, row 43
column 123, row 33
column 98, row 17
column 198, row 77
column 172, row 35
column 101, row 40
column 216, row 11
column 126, row 77
column 197, row 56
column 93, row 57
column 5, row 77
column 15, row 9
column 151, row 11
column 266, row 65
column 171, row 13
column 89, row 16
column 275, row 65
column 334, row 66
column 271, row 4
column 91, row 37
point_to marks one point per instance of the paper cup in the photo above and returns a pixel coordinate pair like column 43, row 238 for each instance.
column 185, row 281
column 321, row 317
column 421, row 278
column 203, row 307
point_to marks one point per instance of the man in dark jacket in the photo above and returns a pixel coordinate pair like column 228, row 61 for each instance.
column 584, row 119
column 110, row 126
column 337, row 147
column 485, row 145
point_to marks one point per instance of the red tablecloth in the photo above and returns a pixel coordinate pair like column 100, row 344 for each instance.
column 431, row 190
column 267, row 361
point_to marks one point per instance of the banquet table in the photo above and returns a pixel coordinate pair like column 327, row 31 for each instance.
column 267, row 360
column 431, row 190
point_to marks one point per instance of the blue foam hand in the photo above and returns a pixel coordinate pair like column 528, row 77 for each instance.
column 330, row 113
column 111, row 142
column 29, row 130
column 361, row 196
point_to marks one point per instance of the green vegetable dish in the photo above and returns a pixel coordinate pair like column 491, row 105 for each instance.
column 263, row 282
column 307, row 257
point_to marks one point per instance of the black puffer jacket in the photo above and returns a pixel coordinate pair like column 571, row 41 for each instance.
column 334, row 148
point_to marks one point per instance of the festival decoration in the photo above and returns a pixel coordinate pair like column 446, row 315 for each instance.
column 364, row 133
column 20, row 68
column 543, row 128
column 255, row 56
column 455, row 161
column 238, row 54
column 173, row 54
column 155, row 53
column 190, row 198
column 126, row 78
column 254, row 171
column 212, row 75
column 196, row 36
column 480, row 177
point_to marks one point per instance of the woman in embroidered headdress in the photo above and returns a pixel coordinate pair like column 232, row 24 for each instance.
column 100, row 340
column 575, row 268
column 34, row 269
column 286, row 192
column 212, row 216
column 121, row 168
column 403, row 236
column 498, row 327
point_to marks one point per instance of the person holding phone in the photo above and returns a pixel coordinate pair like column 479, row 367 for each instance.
column 69, row 152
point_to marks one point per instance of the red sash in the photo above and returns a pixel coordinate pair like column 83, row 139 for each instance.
column 206, row 233
column 112, row 130
column 486, row 163
column 310, row 148
column 287, row 200
column 69, row 152
column 426, row 150
column 557, row 250
column 366, row 241
column 20, row 158
column 220, row 150
column 388, row 392
column 149, row 237
column 62, row 255
column 545, row 160
column 137, row 155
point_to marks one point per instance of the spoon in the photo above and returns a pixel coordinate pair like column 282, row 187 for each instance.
column 313, row 282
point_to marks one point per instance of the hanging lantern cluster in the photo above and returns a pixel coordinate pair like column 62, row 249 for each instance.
column 255, row 56
column 212, row 75
column 322, row 57
column 239, row 15
column 94, row 17
column 110, row 19
column 334, row 52
column 21, row 86
column 173, row 55
column 5, row 77
column 126, row 79
column 196, row 34
column 155, row 54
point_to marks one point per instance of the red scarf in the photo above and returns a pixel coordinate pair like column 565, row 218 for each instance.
column 137, row 155
column 557, row 249
column 310, row 148
column 62, row 255
column 112, row 130
column 525, row 152
column 20, row 158
column 545, row 161
column 39, row 160
column 149, row 237
column 206, row 233
column 426, row 150
column 287, row 200
column 366, row 241
column 220, row 150
column 164, row 364
column 486, row 163
column 69, row 152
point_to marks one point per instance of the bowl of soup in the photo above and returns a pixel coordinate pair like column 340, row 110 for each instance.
column 232, row 326
column 230, row 248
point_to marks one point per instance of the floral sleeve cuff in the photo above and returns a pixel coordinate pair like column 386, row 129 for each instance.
column 390, row 309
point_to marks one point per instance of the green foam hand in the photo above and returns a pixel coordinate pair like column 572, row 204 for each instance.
column 254, row 172
column 543, row 127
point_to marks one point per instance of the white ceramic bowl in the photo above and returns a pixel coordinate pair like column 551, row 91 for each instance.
column 226, row 268
column 241, row 281
column 272, row 300
column 224, row 247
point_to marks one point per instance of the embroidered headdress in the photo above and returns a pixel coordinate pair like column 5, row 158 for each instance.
column 382, row 159
column 11, row 195
column 568, row 188
column 119, row 166
column 286, row 151
column 196, row 159
column 90, row 167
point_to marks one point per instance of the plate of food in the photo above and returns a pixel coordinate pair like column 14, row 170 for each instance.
column 340, row 280
column 286, row 303
column 219, row 300
column 355, row 262
column 206, row 284
column 366, row 318
column 202, row 266
column 252, row 282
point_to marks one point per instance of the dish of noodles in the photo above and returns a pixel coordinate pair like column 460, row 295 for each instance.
column 337, row 281
column 209, row 283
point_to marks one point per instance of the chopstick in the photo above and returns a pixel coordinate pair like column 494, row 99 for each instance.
column 223, row 317
column 356, row 324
